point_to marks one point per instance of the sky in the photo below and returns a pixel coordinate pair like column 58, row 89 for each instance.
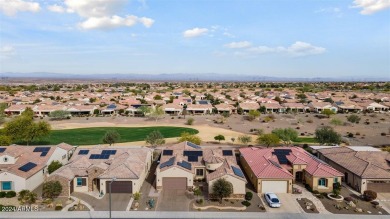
column 282, row 38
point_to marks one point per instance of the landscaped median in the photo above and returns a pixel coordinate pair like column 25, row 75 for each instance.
column 93, row 136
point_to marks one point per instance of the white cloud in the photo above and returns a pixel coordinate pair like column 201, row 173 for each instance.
column 238, row 45
column 297, row 49
column 101, row 14
column 371, row 6
column 195, row 32
column 56, row 8
column 7, row 51
column 12, row 7
column 114, row 22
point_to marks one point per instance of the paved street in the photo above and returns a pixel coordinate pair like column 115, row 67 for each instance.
column 119, row 201
column 173, row 200
column 165, row 214
column 289, row 204
column 384, row 200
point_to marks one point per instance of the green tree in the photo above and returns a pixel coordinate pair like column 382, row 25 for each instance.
column 157, row 97
column 336, row 122
column 190, row 121
column 287, row 135
column 353, row 118
column 27, row 197
column 157, row 113
column 253, row 114
column 327, row 112
column 23, row 128
column 219, row 138
column 145, row 110
column 222, row 188
column 53, row 166
column 3, row 106
column 155, row 138
column 5, row 140
column 186, row 136
column 51, row 189
column 28, row 112
column 263, row 109
column 244, row 139
column 59, row 115
column 268, row 139
column 327, row 135
column 111, row 137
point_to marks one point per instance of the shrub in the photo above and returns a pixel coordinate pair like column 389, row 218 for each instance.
column 350, row 135
column 10, row 194
column 2, row 194
column 190, row 121
column 383, row 134
column 316, row 192
column 369, row 195
column 353, row 118
column 51, row 189
column 248, row 196
column 246, row 203
column 137, row 196
column 58, row 208
column 200, row 201
column 53, row 166
column 336, row 122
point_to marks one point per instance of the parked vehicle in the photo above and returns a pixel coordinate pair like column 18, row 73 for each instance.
column 272, row 200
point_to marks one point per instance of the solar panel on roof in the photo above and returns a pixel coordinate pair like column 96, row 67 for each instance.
column 27, row 167
column 2, row 150
column 227, row 152
column 238, row 172
column 44, row 154
column 83, row 152
column 168, row 163
column 193, row 158
column 168, row 152
column 185, row 164
column 41, row 149
column 281, row 155
column 193, row 145
column 104, row 156
column 112, row 152
column 193, row 153
column 94, row 156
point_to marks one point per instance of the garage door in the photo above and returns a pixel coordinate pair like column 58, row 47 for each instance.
column 379, row 186
column 171, row 183
column 274, row 186
column 120, row 187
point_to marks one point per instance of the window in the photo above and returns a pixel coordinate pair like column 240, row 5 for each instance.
column 322, row 182
column 79, row 181
column 5, row 159
column 199, row 172
column 6, row 186
column 336, row 180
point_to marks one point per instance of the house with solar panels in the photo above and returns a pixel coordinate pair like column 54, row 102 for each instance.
column 185, row 165
column 25, row 167
column 276, row 169
column 92, row 169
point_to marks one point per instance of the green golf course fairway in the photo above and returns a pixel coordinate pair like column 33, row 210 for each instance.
column 92, row 136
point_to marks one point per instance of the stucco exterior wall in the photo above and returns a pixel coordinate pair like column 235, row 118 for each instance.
column 35, row 180
column 10, row 159
column 173, row 172
column 17, row 183
column 238, row 185
column 80, row 188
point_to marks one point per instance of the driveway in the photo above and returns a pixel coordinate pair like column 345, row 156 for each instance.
column 173, row 200
column 384, row 200
column 289, row 204
column 119, row 201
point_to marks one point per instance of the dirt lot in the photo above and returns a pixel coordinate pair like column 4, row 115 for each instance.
column 236, row 125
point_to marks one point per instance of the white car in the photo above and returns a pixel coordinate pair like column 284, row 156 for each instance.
column 272, row 200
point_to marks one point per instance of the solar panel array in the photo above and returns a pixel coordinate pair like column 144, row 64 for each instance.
column 193, row 153
column 168, row 152
column 205, row 102
column 281, row 155
column 193, row 158
column 238, row 172
column 227, row 152
column 193, row 145
column 43, row 150
column 275, row 164
column 104, row 155
column 83, row 152
column 168, row 163
column 2, row 150
column 27, row 167
column 185, row 164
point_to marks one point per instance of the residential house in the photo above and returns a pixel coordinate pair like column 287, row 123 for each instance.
column 246, row 107
column 225, row 108
column 362, row 170
column 273, row 107
column 92, row 170
column 184, row 163
column 26, row 167
column 295, row 107
column 318, row 107
column 276, row 169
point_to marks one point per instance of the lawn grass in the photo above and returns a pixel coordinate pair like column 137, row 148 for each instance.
column 92, row 136
column 306, row 140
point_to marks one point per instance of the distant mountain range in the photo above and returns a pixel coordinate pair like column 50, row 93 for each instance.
column 192, row 77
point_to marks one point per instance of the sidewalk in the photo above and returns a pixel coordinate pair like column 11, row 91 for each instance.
column 306, row 194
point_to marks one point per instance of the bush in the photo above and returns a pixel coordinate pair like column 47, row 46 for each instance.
column 350, row 135
column 246, row 203
column 190, row 121
column 58, row 208
column 316, row 192
column 51, row 189
column 369, row 195
column 383, row 134
column 10, row 194
column 353, row 118
column 200, row 201
column 248, row 196
column 2, row 194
